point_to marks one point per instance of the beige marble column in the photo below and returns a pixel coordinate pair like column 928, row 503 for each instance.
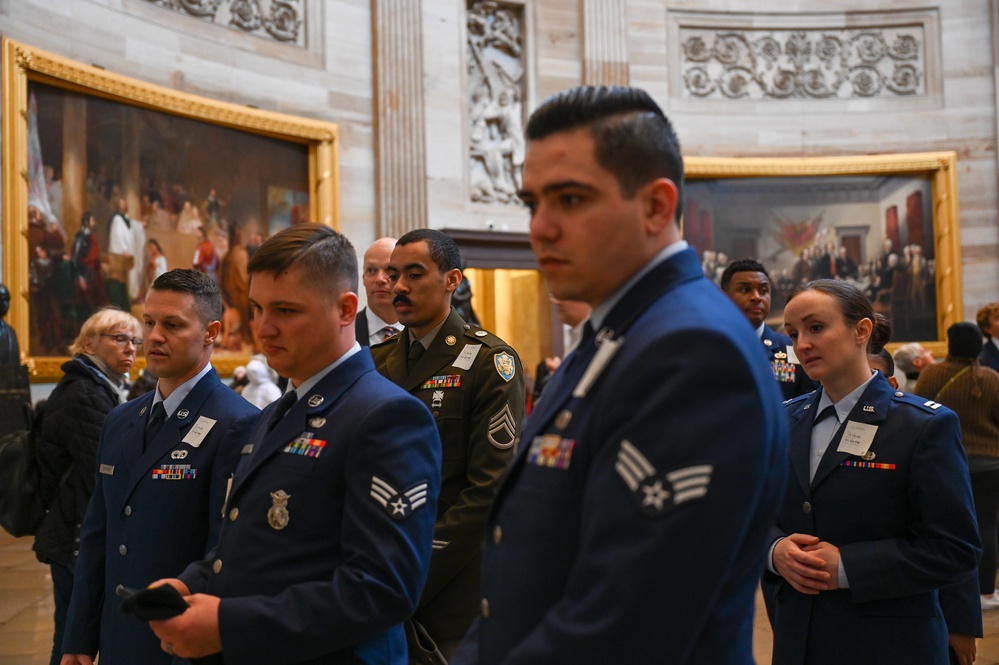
column 74, row 162
column 605, row 42
column 400, row 139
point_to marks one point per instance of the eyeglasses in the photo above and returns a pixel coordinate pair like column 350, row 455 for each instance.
column 122, row 339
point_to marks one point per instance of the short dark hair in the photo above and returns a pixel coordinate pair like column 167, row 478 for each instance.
column 207, row 299
column 443, row 250
column 634, row 139
column 854, row 306
column 884, row 358
column 742, row 265
column 327, row 257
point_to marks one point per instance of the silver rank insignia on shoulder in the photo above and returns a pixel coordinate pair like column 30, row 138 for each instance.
column 398, row 505
column 502, row 431
column 315, row 400
column 505, row 365
column 450, row 340
column 278, row 516
column 657, row 495
column 178, row 454
column 317, row 422
column 183, row 413
column 933, row 405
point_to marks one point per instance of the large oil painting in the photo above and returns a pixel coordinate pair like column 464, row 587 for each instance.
column 115, row 190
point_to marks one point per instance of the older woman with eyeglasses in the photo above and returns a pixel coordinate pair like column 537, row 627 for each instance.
column 93, row 383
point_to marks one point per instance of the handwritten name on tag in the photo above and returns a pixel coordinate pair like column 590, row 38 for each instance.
column 467, row 356
column 857, row 438
column 199, row 430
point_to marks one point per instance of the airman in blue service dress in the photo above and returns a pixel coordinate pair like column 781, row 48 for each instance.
column 328, row 526
column 632, row 524
column 152, row 512
column 473, row 384
column 902, row 516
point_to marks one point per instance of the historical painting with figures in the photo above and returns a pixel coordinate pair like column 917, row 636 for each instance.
column 876, row 230
column 118, row 193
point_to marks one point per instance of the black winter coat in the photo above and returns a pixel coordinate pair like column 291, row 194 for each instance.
column 71, row 429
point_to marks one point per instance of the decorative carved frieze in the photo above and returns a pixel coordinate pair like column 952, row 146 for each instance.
column 496, row 90
column 282, row 20
column 803, row 64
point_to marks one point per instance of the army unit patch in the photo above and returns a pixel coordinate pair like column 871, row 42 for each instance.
column 175, row 472
column 505, row 365
column 398, row 505
column 502, row 431
column 656, row 495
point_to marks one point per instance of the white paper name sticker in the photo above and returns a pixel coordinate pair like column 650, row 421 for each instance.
column 791, row 358
column 467, row 356
column 857, row 438
column 199, row 430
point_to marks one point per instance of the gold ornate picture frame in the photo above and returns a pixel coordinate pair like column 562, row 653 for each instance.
column 181, row 163
column 839, row 217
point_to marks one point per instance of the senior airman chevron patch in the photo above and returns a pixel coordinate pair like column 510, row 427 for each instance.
column 398, row 505
column 657, row 495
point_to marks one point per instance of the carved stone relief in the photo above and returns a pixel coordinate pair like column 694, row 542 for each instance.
column 496, row 90
column 282, row 20
column 803, row 64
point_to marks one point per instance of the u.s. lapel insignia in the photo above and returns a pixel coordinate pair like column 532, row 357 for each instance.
column 317, row 422
column 315, row 400
column 502, row 431
column 505, row 365
column 563, row 418
column 278, row 516
column 398, row 505
column 657, row 494
column 183, row 413
column 450, row 340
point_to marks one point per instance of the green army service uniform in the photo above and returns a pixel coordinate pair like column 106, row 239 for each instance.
column 473, row 384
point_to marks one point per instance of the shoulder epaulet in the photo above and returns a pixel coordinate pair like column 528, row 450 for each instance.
column 921, row 402
column 481, row 336
column 800, row 398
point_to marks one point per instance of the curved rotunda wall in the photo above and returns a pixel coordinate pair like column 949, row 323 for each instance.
column 408, row 152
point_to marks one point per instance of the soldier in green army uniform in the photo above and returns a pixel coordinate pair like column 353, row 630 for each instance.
column 473, row 384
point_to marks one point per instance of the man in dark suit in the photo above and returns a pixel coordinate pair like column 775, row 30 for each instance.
column 747, row 284
column 473, row 383
column 630, row 527
column 988, row 322
column 163, row 464
column 329, row 521
column 377, row 321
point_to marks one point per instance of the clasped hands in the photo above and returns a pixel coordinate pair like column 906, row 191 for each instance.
column 808, row 564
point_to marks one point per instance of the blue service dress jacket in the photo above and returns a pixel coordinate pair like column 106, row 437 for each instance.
column 152, row 513
column 903, row 520
column 329, row 526
column 632, row 523
column 790, row 376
